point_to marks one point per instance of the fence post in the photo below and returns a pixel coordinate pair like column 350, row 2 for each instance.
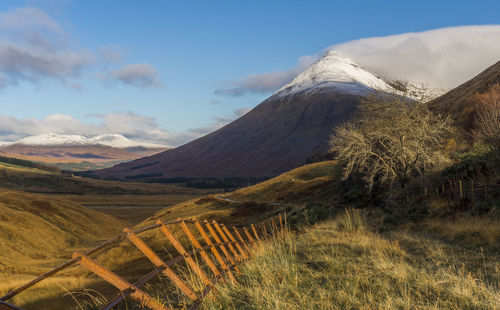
column 214, row 250
column 286, row 226
column 178, row 246
column 249, row 236
column 119, row 282
column 281, row 226
column 233, row 239
column 222, row 247
column 460, row 189
column 198, row 246
column 275, row 227
column 255, row 233
column 158, row 262
column 229, row 245
column 265, row 229
column 242, row 240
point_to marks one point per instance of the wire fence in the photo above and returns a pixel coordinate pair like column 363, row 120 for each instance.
column 223, row 251
column 458, row 190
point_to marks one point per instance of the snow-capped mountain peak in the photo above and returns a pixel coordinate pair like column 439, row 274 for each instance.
column 51, row 139
column 119, row 141
column 112, row 140
column 338, row 72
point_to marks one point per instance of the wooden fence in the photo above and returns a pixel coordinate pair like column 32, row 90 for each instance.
column 458, row 190
column 228, row 248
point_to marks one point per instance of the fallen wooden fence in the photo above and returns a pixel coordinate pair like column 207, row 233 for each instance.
column 236, row 247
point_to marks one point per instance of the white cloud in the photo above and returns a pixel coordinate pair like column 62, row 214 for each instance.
column 139, row 75
column 443, row 57
column 34, row 46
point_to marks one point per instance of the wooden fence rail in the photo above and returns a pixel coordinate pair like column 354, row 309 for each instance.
column 236, row 247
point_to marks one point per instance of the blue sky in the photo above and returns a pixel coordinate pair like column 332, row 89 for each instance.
column 167, row 71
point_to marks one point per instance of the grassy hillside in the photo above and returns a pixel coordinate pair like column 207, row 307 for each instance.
column 344, row 263
column 35, row 228
column 291, row 190
column 313, row 182
column 35, row 180
column 363, row 259
column 38, row 232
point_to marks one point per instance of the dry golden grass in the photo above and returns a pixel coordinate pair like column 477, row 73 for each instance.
column 34, row 180
column 131, row 209
column 38, row 233
column 304, row 183
column 341, row 264
column 467, row 232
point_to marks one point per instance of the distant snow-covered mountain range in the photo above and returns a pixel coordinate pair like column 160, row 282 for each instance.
column 77, row 152
column 54, row 139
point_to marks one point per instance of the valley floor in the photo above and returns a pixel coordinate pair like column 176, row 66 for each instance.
column 341, row 264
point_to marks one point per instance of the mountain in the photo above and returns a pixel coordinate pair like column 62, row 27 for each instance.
column 75, row 152
column 279, row 134
column 458, row 102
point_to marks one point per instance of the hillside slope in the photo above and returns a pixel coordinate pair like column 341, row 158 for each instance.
column 457, row 102
column 342, row 263
column 36, row 180
column 313, row 183
column 37, row 228
column 278, row 135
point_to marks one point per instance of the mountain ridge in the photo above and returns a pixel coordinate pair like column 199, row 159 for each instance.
column 458, row 101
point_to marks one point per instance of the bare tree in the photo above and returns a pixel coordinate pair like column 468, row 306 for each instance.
column 487, row 121
column 391, row 140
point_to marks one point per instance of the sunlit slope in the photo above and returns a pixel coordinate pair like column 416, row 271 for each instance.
column 307, row 184
column 36, row 228
column 343, row 263
column 34, row 180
